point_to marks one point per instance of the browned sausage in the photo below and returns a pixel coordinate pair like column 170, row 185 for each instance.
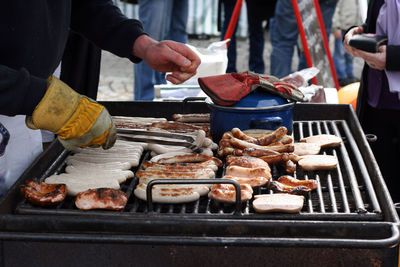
column 272, row 137
column 236, row 132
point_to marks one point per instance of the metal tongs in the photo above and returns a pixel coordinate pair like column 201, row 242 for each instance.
column 140, row 136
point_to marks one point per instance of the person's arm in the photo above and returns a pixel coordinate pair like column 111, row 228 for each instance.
column 385, row 59
column 392, row 58
column 102, row 22
column 20, row 91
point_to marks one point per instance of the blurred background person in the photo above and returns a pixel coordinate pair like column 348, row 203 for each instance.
column 378, row 100
column 284, row 35
column 258, row 13
column 347, row 14
column 162, row 20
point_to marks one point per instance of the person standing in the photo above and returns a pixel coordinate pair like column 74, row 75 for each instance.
column 284, row 35
column 347, row 14
column 378, row 100
column 34, row 39
column 162, row 20
column 258, row 11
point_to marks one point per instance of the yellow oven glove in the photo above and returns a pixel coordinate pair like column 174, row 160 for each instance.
column 77, row 120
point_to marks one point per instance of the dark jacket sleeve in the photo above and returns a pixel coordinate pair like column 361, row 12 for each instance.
column 20, row 91
column 392, row 58
column 103, row 23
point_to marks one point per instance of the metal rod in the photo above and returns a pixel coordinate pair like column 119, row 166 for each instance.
column 361, row 164
column 320, row 196
column 351, row 176
column 342, row 187
column 157, row 134
column 157, row 141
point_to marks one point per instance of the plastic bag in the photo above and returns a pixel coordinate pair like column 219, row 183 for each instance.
column 300, row 78
column 214, row 60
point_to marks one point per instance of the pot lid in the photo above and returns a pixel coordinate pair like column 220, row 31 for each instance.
column 260, row 99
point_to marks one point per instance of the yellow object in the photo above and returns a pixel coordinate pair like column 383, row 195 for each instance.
column 348, row 94
column 77, row 120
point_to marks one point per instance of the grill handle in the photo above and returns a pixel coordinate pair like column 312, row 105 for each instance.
column 149, row 188
column 186, row 101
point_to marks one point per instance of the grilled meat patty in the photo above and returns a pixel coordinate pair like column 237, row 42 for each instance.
column 101, row 198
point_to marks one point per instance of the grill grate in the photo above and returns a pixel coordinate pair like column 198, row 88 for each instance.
column 345, row 193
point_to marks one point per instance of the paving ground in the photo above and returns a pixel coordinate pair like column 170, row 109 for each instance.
column 116, row 74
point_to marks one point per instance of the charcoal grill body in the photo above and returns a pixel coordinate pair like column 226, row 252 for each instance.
column 359, row 228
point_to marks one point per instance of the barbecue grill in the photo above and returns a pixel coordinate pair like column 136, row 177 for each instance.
column 350, row 219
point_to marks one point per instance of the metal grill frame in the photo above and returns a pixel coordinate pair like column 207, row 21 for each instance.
column 370, row 231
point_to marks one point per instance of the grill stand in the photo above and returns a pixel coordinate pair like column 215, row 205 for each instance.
column 179, row 240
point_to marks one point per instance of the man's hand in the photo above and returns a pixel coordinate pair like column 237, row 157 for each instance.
column 167, row 56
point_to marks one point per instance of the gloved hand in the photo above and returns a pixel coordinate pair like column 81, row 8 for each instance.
column 77, row 120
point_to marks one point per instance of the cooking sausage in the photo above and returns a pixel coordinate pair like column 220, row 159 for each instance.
column 276, row 158
column 202, row 173
column 193, row 117
column 272, row 137
column 236, row 132
column 206, row 164
column 99, row 166
column 259, row 152
column 172, row 194
column 91, row 171
column 190, row 158
column 224, row 151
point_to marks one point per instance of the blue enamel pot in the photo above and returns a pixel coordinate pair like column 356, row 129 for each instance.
column 258, row 110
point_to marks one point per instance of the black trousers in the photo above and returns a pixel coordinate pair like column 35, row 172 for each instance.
column 385, row 124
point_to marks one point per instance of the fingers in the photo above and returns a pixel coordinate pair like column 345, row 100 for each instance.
column 185, row 58
column 179, row 77
column 375, row 60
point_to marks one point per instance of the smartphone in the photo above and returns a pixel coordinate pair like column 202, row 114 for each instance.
column 368, row 42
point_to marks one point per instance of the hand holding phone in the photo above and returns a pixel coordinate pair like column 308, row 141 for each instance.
column 368, row 42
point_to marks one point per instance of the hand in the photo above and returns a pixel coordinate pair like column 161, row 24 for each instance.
column 167, row 56
column 338, row 34
column 350, row 50
column 375, row 60
column 77, row 120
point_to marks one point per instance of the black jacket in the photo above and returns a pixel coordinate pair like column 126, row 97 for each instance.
column 392, row 62
column 33, row 38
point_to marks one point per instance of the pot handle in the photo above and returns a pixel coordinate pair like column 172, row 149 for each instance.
column 269, row 122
